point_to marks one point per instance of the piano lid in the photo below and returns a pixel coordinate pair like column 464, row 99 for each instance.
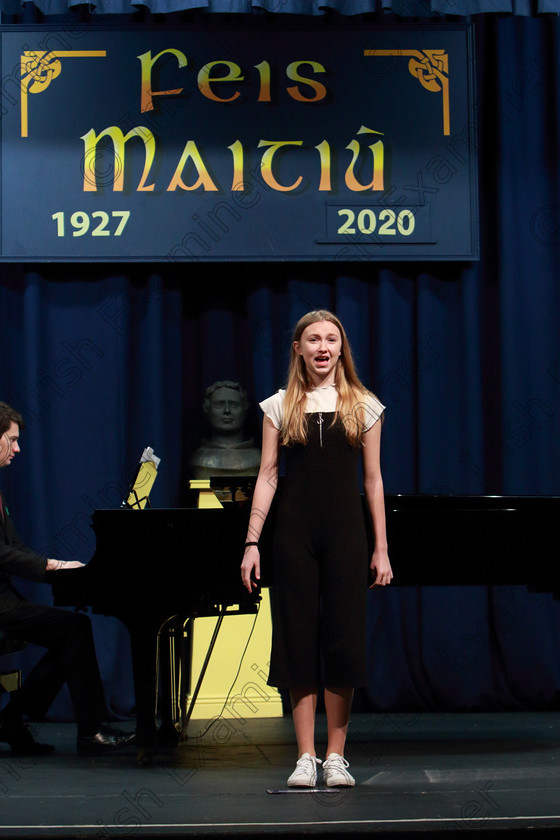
column 458, row 540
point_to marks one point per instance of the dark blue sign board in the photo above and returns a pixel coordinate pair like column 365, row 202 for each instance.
column 265, row 143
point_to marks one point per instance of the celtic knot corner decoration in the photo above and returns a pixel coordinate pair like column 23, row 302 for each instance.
column 431, row 68
column 39, row 68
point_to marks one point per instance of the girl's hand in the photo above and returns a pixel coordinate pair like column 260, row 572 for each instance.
column 381, row 571
column 251, row 564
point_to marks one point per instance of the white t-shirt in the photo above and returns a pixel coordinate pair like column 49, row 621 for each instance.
column 324, row 399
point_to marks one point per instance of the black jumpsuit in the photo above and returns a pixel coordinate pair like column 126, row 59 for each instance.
column 320, row 564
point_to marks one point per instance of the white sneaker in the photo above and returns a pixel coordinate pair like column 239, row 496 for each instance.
column 335, row 772
column 305, row 774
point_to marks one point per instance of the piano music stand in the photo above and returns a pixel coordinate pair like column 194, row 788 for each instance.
column 146, row 473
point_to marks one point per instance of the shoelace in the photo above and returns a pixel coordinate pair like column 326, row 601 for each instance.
column 336, row 761
column 306, row 759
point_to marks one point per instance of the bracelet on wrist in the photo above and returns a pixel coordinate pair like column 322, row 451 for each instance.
column 247, row 544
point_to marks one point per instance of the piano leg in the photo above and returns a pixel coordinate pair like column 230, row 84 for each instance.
column 156, row 644
column 170, row 668
column 143, row 632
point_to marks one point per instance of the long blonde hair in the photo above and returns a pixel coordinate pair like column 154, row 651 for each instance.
column 351, row 393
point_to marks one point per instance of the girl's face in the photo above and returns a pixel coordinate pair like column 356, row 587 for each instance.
column 320, row 346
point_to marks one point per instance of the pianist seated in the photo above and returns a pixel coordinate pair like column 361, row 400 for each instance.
column 227, row 451
column 67, row 636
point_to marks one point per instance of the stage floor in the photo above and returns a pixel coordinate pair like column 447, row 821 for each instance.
column 459, row 773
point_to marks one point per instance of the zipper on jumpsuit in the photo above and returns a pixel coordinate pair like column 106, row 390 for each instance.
column 320, row 424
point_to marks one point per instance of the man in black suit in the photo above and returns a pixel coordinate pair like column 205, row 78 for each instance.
column 67, row 636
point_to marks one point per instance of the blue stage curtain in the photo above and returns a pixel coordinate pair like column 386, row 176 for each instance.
column 403, row 8
column 104, row 361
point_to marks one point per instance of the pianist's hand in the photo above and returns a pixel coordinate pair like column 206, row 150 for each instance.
column 251, row 566
column 55, row 565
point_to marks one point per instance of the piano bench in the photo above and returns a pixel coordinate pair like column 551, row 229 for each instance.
column 10, row 680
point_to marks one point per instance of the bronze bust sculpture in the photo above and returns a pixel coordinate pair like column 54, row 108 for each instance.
column 226, row 451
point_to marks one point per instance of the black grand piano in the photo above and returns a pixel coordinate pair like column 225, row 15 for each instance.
column 157, row 569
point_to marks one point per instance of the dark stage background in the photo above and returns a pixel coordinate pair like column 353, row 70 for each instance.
column 105, row 360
